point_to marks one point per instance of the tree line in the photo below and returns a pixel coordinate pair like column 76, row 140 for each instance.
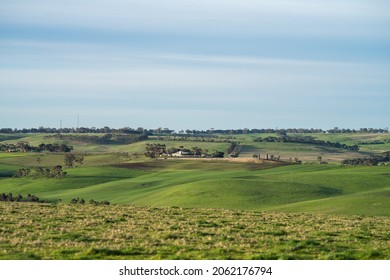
column 18, row 198
column 368, row 161
column 40, row 172
column 70, row 160
column 24, row 147
column 374, row 142
column 234, row 149
column 89, row 130
column 82, row 201
column 195, row 138
column 283, row 130
column 306, row 140
column 48, row 130
column 108, row 138
column 161, row 131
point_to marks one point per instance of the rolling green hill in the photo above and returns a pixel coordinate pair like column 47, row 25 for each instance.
column 219, row 184
column 230, row 208
column 113, row 173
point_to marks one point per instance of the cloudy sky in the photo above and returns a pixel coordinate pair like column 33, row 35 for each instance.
column 195, row 64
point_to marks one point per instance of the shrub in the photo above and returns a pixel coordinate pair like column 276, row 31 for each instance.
column 91, row 201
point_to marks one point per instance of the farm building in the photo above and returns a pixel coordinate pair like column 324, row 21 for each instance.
column 181, row 153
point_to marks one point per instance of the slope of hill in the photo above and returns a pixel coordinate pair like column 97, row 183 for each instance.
column 128, row 232
column 114, row 173
column 219, row 184
column 231, row 208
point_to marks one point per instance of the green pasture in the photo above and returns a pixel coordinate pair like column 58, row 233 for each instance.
column 355, row 138
column 310, row 152
column 212, row 184
column 122, row 175
column 304, row 152
column 285, row 150
column 197, row 208
column 63, row 231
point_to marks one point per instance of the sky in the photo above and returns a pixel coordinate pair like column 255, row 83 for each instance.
column 195, row 64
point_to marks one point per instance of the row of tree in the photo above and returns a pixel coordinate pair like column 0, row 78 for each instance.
column 40, row 172
column 156, row 150
column 108, row 138
column 306, row 140
column 195, row 138
column 18, row 198
column 23, row 146
column 370, row 161
column 106, row 129
column 91, row 201
column 160, row 130
column 269, row 157
column 70, row 160
column 288, row 130
column 234, row 149
column 374, row 142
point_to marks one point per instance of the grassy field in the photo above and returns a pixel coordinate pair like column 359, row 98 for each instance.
column 127, row 232
column 310, row 210
column 305, row 152
column 216, row 184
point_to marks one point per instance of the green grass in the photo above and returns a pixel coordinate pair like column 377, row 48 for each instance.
column 127, row 232
column 135, row 148
column 198, row 209
column 8, row 137
column 218, row 184
column 375, row 203
column 285, row 150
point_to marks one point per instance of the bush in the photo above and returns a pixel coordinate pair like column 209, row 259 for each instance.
column 19, row 198
column 39, row 172
column 91, row 201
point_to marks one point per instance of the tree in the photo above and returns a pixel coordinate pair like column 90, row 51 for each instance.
column 69, row 159
column 155, row 150
column 23, row 146
column 23, row 172
column 39, row 171
column 57, row 172
column 79, row 159
column 196, row 151
column 65, row 149
column 217, row 154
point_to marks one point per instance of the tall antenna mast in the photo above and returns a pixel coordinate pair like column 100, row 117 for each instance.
column 78, row 121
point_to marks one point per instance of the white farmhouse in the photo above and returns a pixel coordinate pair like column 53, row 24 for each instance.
column 181, row 154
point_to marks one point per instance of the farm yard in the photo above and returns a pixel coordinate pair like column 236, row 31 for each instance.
column 289, row 206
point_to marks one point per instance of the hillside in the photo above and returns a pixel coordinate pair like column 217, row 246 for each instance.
column 128, row 232
column 196, row 208
column 216, row 184
column 122, row 175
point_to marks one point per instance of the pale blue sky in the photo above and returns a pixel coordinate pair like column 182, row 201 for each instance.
column 195, row 63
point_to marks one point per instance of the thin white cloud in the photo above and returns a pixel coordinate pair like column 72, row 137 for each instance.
column 68, row 62
column 27, row 50
column 343, row 17
column 83, row 71
column 195, row 82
